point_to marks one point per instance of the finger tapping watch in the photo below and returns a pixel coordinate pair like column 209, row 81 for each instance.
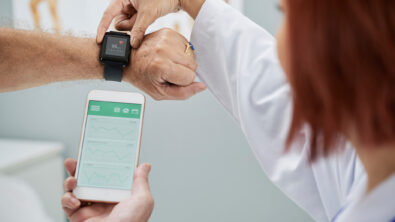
column 114, row 54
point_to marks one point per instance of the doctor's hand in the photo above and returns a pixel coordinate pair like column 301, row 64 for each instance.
column 137, row 208
column 135, row 16
column 161, row 68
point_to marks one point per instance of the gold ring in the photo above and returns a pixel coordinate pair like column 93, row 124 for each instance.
column 188, row 49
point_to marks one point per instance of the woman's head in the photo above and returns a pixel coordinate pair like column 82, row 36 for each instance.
column 339, row 57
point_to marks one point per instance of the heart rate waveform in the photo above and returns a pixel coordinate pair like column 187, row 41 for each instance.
column 102, row 176
column 111, row 128
column 110, row 152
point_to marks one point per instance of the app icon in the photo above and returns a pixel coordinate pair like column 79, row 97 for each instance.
column 95, row 108
column 125, row 110
column 135, row 111
column 117, row 109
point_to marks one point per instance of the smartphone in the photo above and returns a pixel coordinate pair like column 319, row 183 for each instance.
column 110, row 146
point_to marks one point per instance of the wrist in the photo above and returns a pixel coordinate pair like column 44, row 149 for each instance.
column 115, row 54
column 91, row 67
column 130, row 73
column 78, row 56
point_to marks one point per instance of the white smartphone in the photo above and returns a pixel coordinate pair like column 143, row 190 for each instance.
column 110, row 146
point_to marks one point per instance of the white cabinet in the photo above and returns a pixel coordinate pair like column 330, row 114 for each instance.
column 40, row 165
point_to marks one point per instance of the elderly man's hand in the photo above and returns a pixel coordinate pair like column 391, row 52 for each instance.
column 161, row 68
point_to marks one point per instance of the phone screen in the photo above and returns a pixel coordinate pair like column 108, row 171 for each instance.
column 109, row 147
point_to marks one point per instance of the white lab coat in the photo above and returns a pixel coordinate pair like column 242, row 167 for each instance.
column 375, row 206
column 237, row 60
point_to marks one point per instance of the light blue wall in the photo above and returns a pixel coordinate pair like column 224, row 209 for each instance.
column 5, row 9
column 203, row 169
column 264, row 12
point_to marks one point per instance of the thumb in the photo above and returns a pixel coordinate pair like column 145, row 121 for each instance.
column 143, row 20
column 140, row 179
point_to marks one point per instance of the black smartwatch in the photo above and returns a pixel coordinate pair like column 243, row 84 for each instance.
column 114, row 54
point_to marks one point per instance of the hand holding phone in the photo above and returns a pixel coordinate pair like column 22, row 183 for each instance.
column 110, row 146
column 136, row 208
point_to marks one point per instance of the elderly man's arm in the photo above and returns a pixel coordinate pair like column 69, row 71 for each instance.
column 160, row 67
column 29, row 59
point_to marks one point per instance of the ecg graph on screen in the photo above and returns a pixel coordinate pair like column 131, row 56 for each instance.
column 110, row 128
column 110, row 152
column 105, row 176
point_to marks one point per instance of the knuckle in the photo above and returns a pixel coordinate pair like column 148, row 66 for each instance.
column 160, row 49
column 117, row 26
column 107, row 14
column 138, row 31
column 166, row 34
column 64, row 199
column 157, row 64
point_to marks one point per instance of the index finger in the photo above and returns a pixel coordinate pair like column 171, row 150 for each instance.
column 106, row 20
column 144, row 19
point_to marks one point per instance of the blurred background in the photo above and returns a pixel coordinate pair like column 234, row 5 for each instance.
column 203, row 168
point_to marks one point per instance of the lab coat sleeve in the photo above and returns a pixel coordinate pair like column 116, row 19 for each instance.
column 238, row 62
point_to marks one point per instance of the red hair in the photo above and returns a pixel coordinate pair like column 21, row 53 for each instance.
column 342, row 70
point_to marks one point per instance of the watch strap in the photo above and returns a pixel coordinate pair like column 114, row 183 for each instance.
column 113, row 71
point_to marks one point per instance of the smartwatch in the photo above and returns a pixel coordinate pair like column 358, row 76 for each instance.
column 114, row 54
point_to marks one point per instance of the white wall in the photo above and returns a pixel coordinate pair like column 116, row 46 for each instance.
column 203, row 169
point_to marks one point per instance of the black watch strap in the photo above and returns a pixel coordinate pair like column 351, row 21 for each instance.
column 113, row 71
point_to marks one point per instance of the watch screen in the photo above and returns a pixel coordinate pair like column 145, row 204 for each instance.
column 110, row 143
column 116, row 46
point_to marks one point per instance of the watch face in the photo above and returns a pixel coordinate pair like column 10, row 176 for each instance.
column 116, row 46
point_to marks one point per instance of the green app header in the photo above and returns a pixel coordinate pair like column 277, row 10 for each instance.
column 112, row 109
